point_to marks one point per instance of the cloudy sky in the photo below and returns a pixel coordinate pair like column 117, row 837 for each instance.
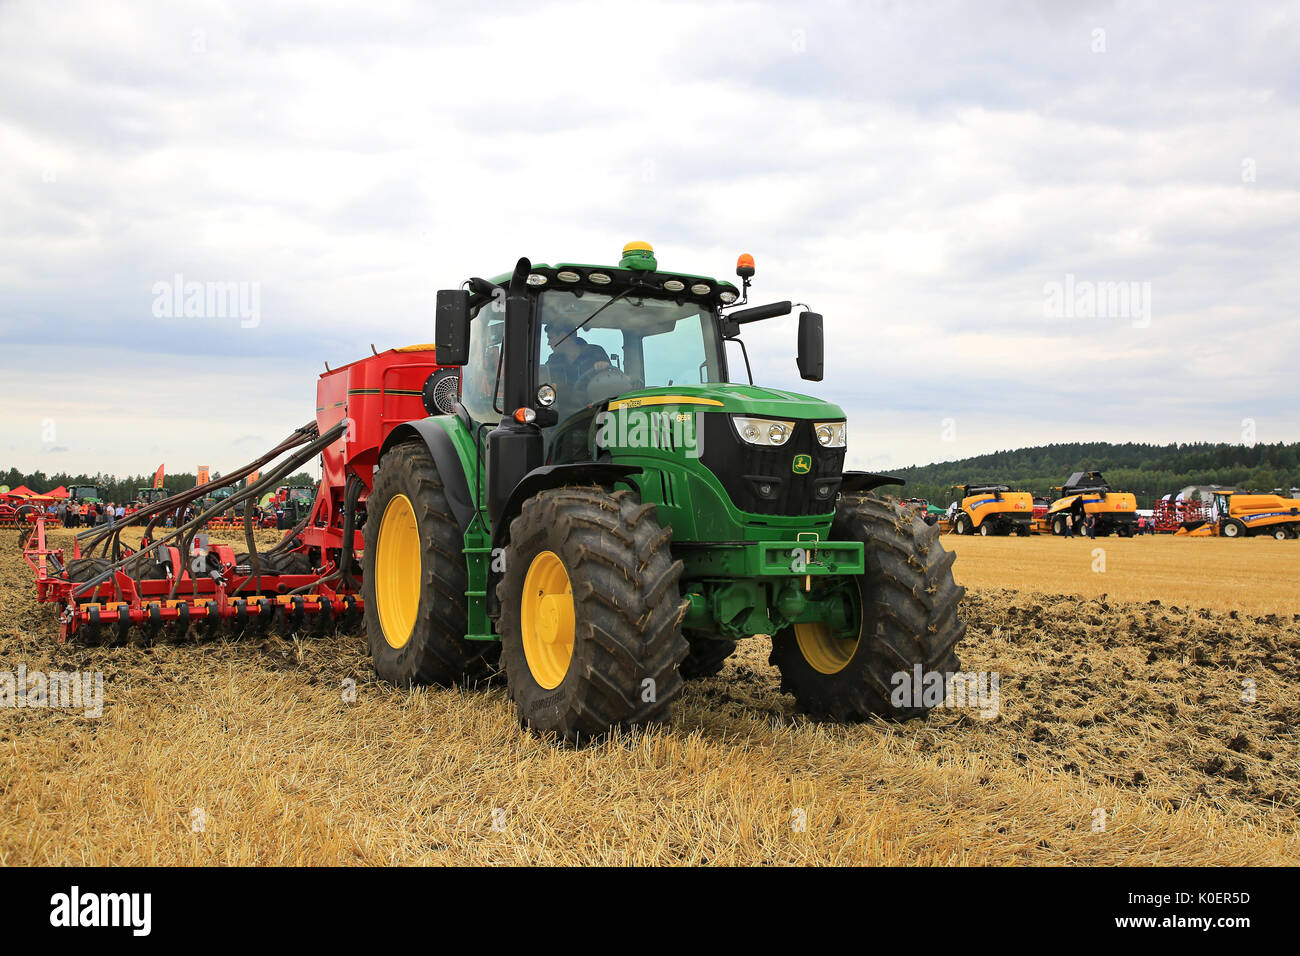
column 1024, row 222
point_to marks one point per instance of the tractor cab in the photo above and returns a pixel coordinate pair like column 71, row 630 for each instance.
column 1222, row 504
column 149, row 496
column 575, row 364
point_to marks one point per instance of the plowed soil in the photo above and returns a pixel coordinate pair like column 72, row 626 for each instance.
column 1152, row 729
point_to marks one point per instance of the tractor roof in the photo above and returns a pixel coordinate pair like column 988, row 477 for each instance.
column 1085, row 481
column 638, row 266
column 619, row 276
column 980, row 489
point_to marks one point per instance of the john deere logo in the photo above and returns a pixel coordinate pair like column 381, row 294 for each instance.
column 802, row 464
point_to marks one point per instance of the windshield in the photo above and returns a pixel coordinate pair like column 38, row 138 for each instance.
column 635, row 342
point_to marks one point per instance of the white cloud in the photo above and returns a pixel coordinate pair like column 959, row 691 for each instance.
column 917, row 174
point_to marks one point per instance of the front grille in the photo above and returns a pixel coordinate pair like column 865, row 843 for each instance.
column 761, row 479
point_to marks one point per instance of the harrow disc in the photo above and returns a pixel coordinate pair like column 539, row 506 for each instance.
column 90, row 631
column 153, row 624
column 181, row 629
column 123, row 624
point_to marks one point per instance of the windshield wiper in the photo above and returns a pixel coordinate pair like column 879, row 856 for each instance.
column 583, row 326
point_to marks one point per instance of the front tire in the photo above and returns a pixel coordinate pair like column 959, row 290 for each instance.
column 415, row 577
column 591, row 614
column 907, row 616
column 1232, row 528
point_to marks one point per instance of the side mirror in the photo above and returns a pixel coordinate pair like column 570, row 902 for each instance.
column 451, row 327
column 812, row 349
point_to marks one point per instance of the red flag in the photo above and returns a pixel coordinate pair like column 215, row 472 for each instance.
column 203, row 474
column 158, row 477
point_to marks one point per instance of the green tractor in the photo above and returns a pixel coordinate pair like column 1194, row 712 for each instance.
column 150, row 495
column 608, row 510
column 86, row 494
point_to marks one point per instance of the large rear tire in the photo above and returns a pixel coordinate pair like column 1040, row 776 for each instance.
column 907, row 616
column 591, row 614
column 415, row 577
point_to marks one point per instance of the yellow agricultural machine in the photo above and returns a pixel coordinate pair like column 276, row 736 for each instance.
column 993, row 509
column 1243, row 515
column 1087, row 494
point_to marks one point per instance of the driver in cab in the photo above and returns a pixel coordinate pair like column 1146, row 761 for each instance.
column 572, row 358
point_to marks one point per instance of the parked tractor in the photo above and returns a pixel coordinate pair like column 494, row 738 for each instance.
column 1245, row 515
column 86, row 494
column 1088, row 494
column 288, row 507
column 993, row 509
column 149, row 496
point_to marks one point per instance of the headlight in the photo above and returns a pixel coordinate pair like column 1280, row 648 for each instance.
column 763, row 431
column 831, row 434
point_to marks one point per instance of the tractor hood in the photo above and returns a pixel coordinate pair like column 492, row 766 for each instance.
column 727, row 397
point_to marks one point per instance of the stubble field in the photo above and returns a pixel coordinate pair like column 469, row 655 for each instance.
column 1148, row 714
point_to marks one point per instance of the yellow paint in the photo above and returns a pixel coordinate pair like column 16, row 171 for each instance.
column 661, row 400
column 397, row 571
column 823, row 651
column 546, row 619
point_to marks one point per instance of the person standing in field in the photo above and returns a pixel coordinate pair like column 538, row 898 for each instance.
column 1069, row 526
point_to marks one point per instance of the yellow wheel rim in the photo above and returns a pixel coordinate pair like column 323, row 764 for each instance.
column 397, row 571
column 823, row 651
column 546, row 619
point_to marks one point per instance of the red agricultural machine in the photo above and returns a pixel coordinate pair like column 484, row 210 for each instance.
column 15, row 513
column 174, row 579
column 1171, row 514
